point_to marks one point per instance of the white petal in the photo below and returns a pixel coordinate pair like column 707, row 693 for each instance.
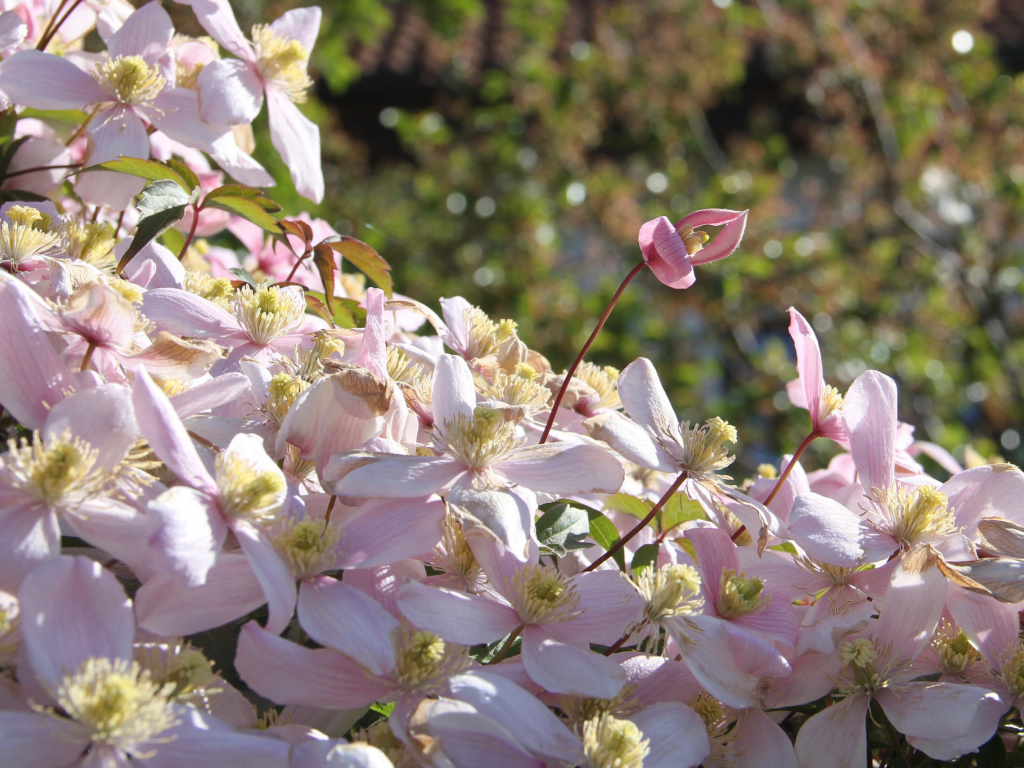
column 297, row 139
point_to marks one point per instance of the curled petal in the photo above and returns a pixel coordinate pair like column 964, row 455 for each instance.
column 727, row 241
column 666, row 254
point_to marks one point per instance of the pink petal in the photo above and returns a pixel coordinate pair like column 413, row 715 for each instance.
column 727, row 241
column 210, row 394
column 145, row 33
column 300, row 24
column 978, row 729
column 218, row 20
column 167, row 436
column 201, row 741
column 34, row 739
column 989, row 491
column 44, row 81
column 567, row 669
column 287, row 673
column 382, row 531
column 991, row 626
column 629, row 439
column 392, row 477
column 836, row 736
column 644, row 399
column 666, row 254
column 456, row 616
column 678, row 736
column 461, row 736
column 230, row 92
column 869, row 412
column 29, row 535
column 274, row 575
column 609, row 603
column 34, row 377
column 812, row 677
column 940, row 711
column 759, row 742
column 114, row 133
column 715, row 552
column 713, row 663
column 913, row 605
column 829, row 532
column 102, row 416
column 372, row 354
column 185, row 314
column 338, row 754
column 808, row 363
column 12, row 30
column 341, row 617
column 72, row 610
column 176, row 113
column 190, row 536
column 563, row 469
column 501, row 517
column 297, row 139
column 494, row 696
column 229, row 156
column 166, row 608
column 454, row 393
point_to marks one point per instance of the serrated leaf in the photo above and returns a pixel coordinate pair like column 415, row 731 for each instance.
column 292, row 228
column 185, row 172
column 629, row 505
column 143, row 169
column 350, row 308
column 161, row 196
column 645, row 556
column 680, row 509
column 323, row 258
column 605, row 534
column 149, row 228
column 563, row 528
column 247, row 209
column 364, row 258
column 246, row 193
column 244, row 275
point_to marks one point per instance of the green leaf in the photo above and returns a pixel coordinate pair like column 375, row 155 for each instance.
column 246, row 193
column 244, row 275
column 366, row 259
column 70, row 116
column 323, row 258
column 174, row 239
column 7, row 125
column 383, row 709
column 562, row 528
column 645, row 556
column 786, row 546
column 604, row 533
column 7, row 152
column 317, row 307
column 150, row 170
column 185, row 172
column 159, row 209
column 247, row 209
column 679, row 509
column 629, row 505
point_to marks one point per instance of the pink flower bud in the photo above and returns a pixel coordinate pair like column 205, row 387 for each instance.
column 671, row 251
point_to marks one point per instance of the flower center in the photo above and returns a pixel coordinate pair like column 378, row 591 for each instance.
column 862, row 658
column 540, row 593
column 519, row 388
column 1011, row 670
column 693, row 239
column 54, row 470
column 612, row 743
column 423, row 658
column 269, row 312
column 117, row 702
column 670, row 591
column 216, row 289
column 248, row 492
column 25, row 235
column 916, row 513
column 308, row 546
column 281, row 62
column 130, row 80
column 739, row 595
column 484, row 335
column 480, row 440
column 954, row 650
column 704, row 448
column 604, row 380
column 91, row 242
column 281, row 395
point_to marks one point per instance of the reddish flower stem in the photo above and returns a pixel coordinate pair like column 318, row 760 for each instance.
column 579, row 358
column 49, row 34
column 643, row 523
column 191, row 232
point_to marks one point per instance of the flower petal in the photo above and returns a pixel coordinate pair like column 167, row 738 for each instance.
column 145, row 33
column 273, row 573
column 456, row 616
column 297, row 139
column 44, row 81
column 869, row 411
column 678, row 736
column 567, row 669
column 230, row 92
column 33, row 739
column 666, row 254
column 563, row 469
column 835, row 736
column 727, row 241
column 300, row 24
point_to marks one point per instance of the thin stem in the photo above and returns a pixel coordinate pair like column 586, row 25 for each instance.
column 616, row 645
column 37, row 168
column 88, row 357
column 643, row 523
column 82, row 127
column 49, row 24
column 579, row 358
column 45, row 41
column 330, row 511
column 789, row 467
column 295, row 269
column 896, row 742
column 120, row 221
column 501, row 654
column 203, row 441
column 191, row 231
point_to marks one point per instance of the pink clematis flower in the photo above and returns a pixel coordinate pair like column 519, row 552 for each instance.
column 672, row 250
column 809, row 390
column 231, row 90
column 78, row 635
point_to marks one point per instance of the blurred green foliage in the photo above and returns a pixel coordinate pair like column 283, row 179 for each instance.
column 509, row 151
